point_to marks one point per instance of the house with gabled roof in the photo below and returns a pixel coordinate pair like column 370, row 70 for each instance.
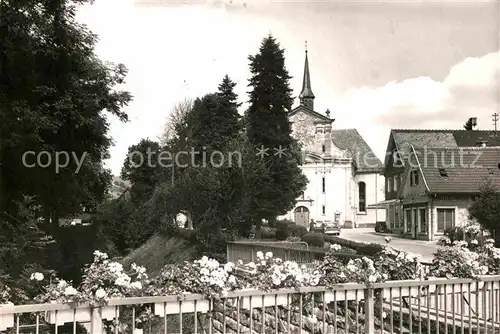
column 432, row 177
column 342, row 170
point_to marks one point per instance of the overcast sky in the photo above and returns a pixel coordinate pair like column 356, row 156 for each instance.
column 376, row 65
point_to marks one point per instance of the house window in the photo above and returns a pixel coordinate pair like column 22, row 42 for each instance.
column 323, row 149
column 323, row 184
column 395, row 185
column 414, row 178
column 422, row 220
column 362, row 196
column 324, row 210
column 445, row 219
column 389, row 184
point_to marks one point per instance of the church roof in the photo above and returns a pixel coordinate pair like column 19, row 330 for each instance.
column 315, row 114
column 363, row 156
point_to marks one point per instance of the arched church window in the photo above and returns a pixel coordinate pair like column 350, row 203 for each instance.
column 362, row 197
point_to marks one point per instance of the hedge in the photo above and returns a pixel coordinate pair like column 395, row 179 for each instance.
column 359, row 247
column 314, row 239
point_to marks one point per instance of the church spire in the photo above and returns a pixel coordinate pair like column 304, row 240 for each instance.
column 306, row 95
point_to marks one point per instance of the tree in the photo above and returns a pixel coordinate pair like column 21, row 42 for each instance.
column 214, row 120
column 269, row 127
column 176, row 120
column 53, row 91
column 486, row 209
column 144, row 170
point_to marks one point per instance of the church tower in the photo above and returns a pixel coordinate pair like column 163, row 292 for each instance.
column 306, row 95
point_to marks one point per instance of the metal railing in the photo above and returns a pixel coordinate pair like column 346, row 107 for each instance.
column 431, row 306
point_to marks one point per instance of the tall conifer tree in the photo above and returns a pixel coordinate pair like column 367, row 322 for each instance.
column 268, row 127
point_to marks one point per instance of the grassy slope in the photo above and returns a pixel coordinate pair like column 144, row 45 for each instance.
column 157, row 252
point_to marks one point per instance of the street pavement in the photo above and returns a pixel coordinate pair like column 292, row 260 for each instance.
column 425, row 249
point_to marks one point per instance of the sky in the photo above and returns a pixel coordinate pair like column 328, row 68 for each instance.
column 375, row 65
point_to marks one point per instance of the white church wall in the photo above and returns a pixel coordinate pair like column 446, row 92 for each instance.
column 374, row 185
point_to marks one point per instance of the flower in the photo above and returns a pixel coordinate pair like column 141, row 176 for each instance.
column 269, row 255
column 100, row 293
column 36, row 276
column 70, row 291
column 260, row 255
column 136, row 285
column 335, row 247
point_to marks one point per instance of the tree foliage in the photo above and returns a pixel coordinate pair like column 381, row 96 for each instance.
column 268, row 127
column 486, row 209
column 53, row 91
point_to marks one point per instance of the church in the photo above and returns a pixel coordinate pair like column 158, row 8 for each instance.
column 343, row 172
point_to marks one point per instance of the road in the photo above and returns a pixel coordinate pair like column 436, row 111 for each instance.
column 425, row 249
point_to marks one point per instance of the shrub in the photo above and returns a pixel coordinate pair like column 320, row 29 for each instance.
column 381, row 227
column 281, row 234
column 455, row 234
column 295, row 230
column 314, row 239
column 283, row 224
column 268, row 233
column 359, row 247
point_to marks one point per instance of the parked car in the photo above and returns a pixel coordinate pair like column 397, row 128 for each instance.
column 331, row 228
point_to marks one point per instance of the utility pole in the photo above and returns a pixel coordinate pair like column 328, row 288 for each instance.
column 495, row 121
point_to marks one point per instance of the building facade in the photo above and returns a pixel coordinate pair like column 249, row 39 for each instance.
column 343, row 172
column 432, row 177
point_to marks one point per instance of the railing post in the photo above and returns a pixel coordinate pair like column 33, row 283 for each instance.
column 369, row 311
column 228, row 253
column 96, row 321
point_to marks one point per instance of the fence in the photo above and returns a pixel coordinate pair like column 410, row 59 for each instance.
column 433, row 306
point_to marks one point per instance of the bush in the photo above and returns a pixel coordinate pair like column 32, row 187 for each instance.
column 381, row 227
column 314, row 239
column 359, row 247
column 282, row 234
column 268, row 233
column 295, row 230
column 283, row 224
column 455, row 234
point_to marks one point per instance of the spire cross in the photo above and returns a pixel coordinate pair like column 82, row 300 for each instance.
column 306, row 46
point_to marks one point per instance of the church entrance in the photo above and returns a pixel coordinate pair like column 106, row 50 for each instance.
column 301, row 216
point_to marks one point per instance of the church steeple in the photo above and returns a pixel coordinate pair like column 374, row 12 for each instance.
column 306, row 95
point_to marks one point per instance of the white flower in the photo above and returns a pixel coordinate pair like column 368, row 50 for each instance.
column 70, row 291
column 136, row 285
column 474, row 242
column 260, row 255
column 37, row 276
column 123, row 280
column 372, row 278
column 269, row 255
column 335, row 247
column 100, row 293
column 228, row 267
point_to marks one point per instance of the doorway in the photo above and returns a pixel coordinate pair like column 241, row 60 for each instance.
column 301, row 216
